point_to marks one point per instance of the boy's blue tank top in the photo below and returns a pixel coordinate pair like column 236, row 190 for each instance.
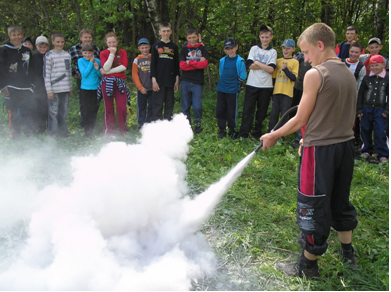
column 228, row 82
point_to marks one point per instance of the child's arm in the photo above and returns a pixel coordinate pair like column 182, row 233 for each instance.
column 154, row 59
column 85, row 68
column 290, row 74
column 312, row 83
column 176, row 68
column 385, row 113
column 360, row 98
column 109, row 61
column 136, row 78
column 47, row 72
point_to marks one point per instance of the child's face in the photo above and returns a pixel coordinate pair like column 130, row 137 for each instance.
column 28, row 44
column 86, row 38
column 354, row 53
column 87, row 54
column 374, row 48
column 144, row 49
column 192, row 39
column 58, row 43
column 42, row 48
column 311, row 53
column 266, row 38
column 165, row 33
column 231, row 51
column 351, row 35
column 111, row 42
column 16, row 38
column 377, row 68
column 287, row 52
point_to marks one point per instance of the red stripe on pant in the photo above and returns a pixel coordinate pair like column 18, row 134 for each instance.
column 307, row 177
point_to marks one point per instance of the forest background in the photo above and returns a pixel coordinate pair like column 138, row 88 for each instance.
column 215, row 19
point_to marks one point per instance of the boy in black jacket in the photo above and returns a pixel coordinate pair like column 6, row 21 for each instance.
column 40, row 94
column 164, row 74
column 16, row 83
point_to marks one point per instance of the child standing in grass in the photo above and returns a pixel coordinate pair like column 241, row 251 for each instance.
column 232, row 70
column 58, row 83
column 141, row 75
column 112, row 87
column 193, row 59
column 90, row 77
column 372, row 109
column 285, row 75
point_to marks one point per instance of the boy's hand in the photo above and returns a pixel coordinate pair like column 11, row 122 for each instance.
column 202, row 59
column 92, row 59
column 5, row 92
column 50, row 95
column 268, row 141
column 301, row 146
column 102, row 71
column 144, row 90
column 359, row 116
column 176, row 86
column 187, row 62
column 384, row 115
column 112, row 50
column 96, row 65
column 284, row 65
column 155, row 86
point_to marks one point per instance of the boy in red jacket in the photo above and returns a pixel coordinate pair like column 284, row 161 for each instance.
column 193, row 59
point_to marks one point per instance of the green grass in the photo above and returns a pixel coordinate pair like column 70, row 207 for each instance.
column 254, row 225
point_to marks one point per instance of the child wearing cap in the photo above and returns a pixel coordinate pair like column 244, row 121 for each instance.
column 285, row 75
column 40, row 94
column 28, row 43
column 372, row 109
column 261, row 61
column 193, row 59
column 141, row 75
column 232, row 70
column 374, row 47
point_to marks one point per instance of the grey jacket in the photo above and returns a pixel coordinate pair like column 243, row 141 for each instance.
column 57, row 72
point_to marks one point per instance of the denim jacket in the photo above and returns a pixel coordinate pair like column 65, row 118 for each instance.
column 373, row 93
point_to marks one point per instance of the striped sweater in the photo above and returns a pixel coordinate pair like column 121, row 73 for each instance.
column 57, row 72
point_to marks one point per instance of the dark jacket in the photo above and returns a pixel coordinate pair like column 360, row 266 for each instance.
column 15, row 65
column 194, row 71
column 165, row 63
column 373, row 93
column 37, row 73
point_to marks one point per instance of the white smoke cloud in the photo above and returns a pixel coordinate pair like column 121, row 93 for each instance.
column 123, row 223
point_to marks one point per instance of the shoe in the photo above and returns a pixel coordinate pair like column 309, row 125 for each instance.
column 365, row 155
column 383, row 160
column 296, row 144
column 300, row 268
column 349, row 258
column 198, row 130
column 372, row 160
column 222, row 134
column 233, row 135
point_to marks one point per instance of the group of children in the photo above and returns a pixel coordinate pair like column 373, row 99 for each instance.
column 47, row 76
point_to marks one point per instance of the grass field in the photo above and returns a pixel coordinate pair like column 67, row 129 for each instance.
column 254, row 226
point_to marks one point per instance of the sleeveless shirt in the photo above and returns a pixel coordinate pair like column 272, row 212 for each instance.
column 332, row 118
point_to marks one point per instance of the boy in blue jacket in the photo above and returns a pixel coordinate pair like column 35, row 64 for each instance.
column 232, row 71
column 90, row 77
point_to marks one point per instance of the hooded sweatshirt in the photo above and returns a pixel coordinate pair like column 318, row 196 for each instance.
column 194, row 71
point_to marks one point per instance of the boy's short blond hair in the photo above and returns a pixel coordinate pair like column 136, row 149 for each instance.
column 14, row 28
column 318, row 32
column 86, row 31
column 164, row 24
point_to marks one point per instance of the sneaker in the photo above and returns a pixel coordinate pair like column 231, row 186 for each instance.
column 349, row 258
column 383, row 160
column 299, row 269
column 233, row 135
column 372, row 160
column 222, row 135
column 365, row 155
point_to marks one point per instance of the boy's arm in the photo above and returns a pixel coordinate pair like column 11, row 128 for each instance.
column 47, row 72
column 74, row 60
column 176, row 68
column 291, row 74
column 360, row 97
column 135, row 77
column 154, row 58
column 312, row 83
column 85, row 69
column 386, row 113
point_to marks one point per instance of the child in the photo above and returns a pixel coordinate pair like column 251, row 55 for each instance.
column 285, row 76
column 141, row 75
column 58, row 83
column 112, row 86
column 164, row 73
column 232, row 71
column 40, row 94
column 16, row 83
column 193, row 59
column 358, row 70
column 327, row 159
column 372, row 108
column 342, row 49
column 259, row 88
column 90, row 78
column 374, row 47
column 27, row 42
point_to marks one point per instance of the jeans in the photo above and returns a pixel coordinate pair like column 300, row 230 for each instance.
column 58, row 112
column 144, row 112
column 226, row 111
column 191, row 95
column 280, row 104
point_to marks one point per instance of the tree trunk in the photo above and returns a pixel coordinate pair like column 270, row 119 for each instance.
column 77, row 10
column 328, row 12
column 381, row 9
